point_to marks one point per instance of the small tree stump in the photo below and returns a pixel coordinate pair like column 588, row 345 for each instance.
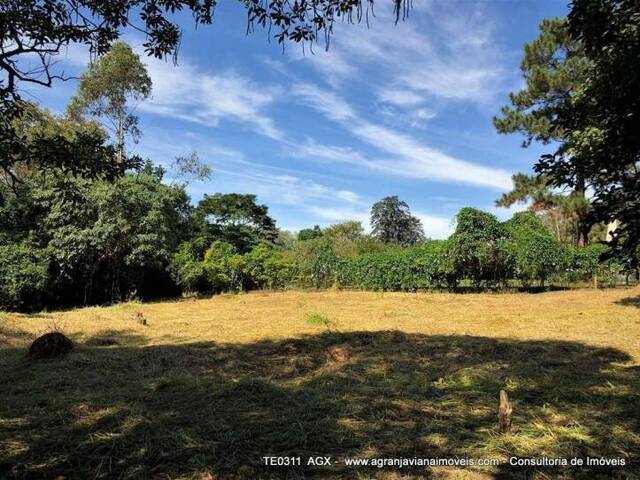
column 504, row 412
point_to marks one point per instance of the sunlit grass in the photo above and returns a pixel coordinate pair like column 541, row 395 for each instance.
column 209, row 386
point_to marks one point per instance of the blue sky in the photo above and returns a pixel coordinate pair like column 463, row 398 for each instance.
column 391, row 110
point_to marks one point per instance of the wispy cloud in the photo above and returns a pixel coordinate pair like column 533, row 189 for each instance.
column 435, row 227
column 187, row 93
column 452, row 57
column 401, row 98
column 404, row 155
column 324, row 101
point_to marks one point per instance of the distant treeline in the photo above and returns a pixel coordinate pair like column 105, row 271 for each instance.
column 68, row 240
column 105, row 227
column 481, row 253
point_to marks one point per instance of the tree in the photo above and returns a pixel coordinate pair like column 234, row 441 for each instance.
column 43, row 140
column 602, row 118
column 310, row 233
column 350, row 230
column 533, row 251
column 563, row 214
column 114, row 81
column 476, row 247
column 187, row 167
column 554, row 67
column 392, row 222
column 40, row 29
column 236, row 219
column 34, row 32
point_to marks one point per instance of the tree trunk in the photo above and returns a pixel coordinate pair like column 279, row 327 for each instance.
column 504, row 413
column 120, row 141
column 583, row 227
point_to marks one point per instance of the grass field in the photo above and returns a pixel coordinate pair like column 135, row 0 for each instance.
column 210, row 386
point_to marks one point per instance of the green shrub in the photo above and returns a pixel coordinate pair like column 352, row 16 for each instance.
column 24, row 277
column 318, row 319
column 583, row 264
column 477, row 248
column 224, row 267
column 268, row 267
column 316, row 263
column 424, row 266
column 188, row 271
column 535, row 254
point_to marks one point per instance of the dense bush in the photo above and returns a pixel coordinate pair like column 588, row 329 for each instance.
column 587, row 264
column 268, row 267
column 24, row 276
column 424, row 266
column 69, row 240
column 477, row 248
column 533, row 253
column 316, row 263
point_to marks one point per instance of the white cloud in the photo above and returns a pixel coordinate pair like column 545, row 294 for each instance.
column 187, row 93
column 457, row 58
column 329, row 152
column 435, row 227
column 416, row 160
column 292, row 190
column 326, row 102
column 337, row 214
column 405, row 156
column 401, row 98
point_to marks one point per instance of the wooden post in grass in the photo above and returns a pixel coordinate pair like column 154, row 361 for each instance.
column 504, row 412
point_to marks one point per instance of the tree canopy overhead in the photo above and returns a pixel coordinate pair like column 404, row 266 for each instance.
column 602, row 118
column 41, row 28
column 33, row 33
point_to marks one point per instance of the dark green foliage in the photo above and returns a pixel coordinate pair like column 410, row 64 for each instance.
column 24, row 276
column 555, row 69
column 477, row 247
column 554, row 66
column 421, row 267
column 583, row 91
column 104, row 241
column 392, row 222
column 222, row 269
column 316, row 262
column 310, row 233
column 268, row 267
column 587, row 265
column 534, row 254
column 604, row 120
column 236, row 219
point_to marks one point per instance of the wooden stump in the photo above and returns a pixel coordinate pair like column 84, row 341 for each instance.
column 504, row 412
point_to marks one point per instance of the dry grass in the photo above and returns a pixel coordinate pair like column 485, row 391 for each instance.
column 209, row 386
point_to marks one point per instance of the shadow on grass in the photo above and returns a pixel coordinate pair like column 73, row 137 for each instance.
column 630, row 302
column 107, row 338
column 184, row 411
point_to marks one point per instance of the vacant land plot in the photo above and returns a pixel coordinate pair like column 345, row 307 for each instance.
column 208, row 387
